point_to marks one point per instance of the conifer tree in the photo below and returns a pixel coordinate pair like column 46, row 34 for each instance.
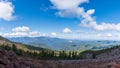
column 14, row 48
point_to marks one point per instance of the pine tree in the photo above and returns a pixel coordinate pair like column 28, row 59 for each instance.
column 69, row 55
column 14, row 48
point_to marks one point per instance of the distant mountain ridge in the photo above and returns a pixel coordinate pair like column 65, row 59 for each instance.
column 65, row 44
column 5, row 41
column 45, row 42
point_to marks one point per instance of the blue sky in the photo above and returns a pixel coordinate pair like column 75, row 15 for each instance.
column 72, row 19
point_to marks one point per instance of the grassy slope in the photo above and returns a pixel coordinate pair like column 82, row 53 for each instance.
column 18, row 45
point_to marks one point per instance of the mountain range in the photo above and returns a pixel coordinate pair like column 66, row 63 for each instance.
column 65, row 44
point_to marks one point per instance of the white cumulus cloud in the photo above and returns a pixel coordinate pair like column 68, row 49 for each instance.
column 53, row 34
column 68, row 8
column 21, row 29
column 67, row 30
column 107, row 26
column 67, row 4
column 92, row 11
column 6, row 10
column 73, row 8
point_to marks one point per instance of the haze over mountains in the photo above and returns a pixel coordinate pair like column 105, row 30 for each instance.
column 65, row 44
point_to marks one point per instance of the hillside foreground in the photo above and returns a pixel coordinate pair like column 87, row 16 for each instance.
column 8, row 59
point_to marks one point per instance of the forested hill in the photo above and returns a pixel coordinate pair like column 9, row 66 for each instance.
column 4, row 41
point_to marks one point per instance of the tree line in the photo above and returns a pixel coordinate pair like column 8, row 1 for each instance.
column 46, row 54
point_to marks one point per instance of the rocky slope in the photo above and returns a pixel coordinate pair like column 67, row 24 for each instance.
column 8, row 59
